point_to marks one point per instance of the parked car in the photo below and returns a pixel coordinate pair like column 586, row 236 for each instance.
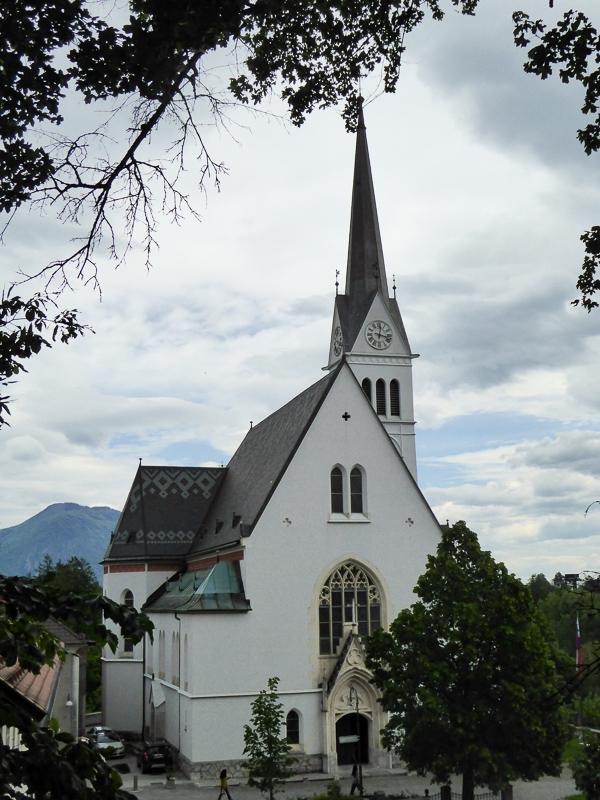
column 98, row 729
column 154, row 754
column 108, row 743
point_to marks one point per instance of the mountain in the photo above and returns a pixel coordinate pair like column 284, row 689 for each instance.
column 62, row 530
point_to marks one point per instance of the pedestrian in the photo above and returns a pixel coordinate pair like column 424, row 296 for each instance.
column 355, row 780
column 224, row 789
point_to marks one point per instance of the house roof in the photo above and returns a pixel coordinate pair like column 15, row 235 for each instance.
column 257, row 466
column 34, row 690
column 164, row 511
column 215, row 588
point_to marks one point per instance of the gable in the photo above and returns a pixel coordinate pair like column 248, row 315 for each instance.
column 378, row 310
column 346, row 431
column 256, row 468
column 165, row 509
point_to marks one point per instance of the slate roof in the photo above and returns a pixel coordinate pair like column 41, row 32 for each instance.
column 257, row 467
column 164, row 511
column 215, row 588
column 365, row 271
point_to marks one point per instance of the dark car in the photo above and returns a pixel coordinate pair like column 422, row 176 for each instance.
column 154, row 754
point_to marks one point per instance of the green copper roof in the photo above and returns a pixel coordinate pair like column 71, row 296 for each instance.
column 216, row 588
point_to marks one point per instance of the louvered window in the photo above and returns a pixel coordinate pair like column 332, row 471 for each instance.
column 394, row 399
column 366, row 386
column 380, row 397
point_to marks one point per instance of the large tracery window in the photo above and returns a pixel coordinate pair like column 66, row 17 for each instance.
column 351, row 599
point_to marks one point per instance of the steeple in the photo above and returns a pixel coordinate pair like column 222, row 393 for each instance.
column 367, row 326
column 365, row 272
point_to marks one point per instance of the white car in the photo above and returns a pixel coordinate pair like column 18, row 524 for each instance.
column 108, row 743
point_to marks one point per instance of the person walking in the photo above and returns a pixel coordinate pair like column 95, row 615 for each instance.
column 355, row 779
column 224, row 789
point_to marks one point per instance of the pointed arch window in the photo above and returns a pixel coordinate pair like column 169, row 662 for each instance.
column 127, row 600
column 394, row 398
column 366, row 387
column 356, row 491
column 349, row 600
column 380, row 397
column 292, row 727
column 337, row 491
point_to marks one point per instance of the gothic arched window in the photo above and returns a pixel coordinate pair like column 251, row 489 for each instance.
column 292, row 727
column 366, row 387
column 394, row 399
column 356, row 491
column 380, row 397
column 349, row 599
column 337, row 491
column 127, row 600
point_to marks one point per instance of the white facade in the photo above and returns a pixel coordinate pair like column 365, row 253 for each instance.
column 315, row 534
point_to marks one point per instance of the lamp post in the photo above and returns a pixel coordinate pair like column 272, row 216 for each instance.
column 353, row 694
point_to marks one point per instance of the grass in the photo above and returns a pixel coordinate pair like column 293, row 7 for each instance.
column 571, row 751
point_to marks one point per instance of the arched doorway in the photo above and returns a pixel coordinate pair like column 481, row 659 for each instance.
column 347, row 728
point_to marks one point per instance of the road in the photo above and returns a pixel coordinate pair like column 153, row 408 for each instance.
column 392, row 782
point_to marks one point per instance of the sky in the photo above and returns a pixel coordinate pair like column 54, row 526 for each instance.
column 482, row 191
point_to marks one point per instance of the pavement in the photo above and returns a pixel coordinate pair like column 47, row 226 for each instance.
column 153, row 786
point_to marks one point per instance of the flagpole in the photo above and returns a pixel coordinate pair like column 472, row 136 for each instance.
column 579, row 667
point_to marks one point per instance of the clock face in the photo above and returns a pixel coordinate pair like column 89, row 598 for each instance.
column 379, row 334
column 338, row 342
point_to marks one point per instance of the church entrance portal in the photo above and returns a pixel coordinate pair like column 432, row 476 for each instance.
column 345, row 727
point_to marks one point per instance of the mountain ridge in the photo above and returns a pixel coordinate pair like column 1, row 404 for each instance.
column 60, row 530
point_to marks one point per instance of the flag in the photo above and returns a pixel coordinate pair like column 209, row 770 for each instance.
column 578, row 657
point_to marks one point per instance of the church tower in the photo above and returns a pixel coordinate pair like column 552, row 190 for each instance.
column 367, row 325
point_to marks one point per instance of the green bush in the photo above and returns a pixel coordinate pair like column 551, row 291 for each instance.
column 333, row 792
column 585, row 767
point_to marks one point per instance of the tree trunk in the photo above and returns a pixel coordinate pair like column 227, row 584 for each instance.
column 468, row 787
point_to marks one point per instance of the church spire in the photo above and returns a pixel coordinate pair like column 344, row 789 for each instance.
column 365, row 272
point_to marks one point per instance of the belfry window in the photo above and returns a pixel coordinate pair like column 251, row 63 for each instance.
column 349, row 599
column 380, row 397
column 366, row 387
column 394, row 399
column 356, row 491
column 337, row 491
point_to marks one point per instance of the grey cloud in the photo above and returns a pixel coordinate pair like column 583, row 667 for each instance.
column 474, row 62
column 574, row 451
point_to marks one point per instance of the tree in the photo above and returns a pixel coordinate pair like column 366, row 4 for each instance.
column 76, row 575
column 266, row 748
column 52, row 764
column 586, row 767
column 467, row 675
column 573, row 45
column 150, row 71
column 539, row 587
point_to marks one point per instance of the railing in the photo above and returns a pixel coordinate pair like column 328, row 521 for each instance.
column 458, row 796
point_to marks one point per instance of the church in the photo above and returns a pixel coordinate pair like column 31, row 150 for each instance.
column 279, row 563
